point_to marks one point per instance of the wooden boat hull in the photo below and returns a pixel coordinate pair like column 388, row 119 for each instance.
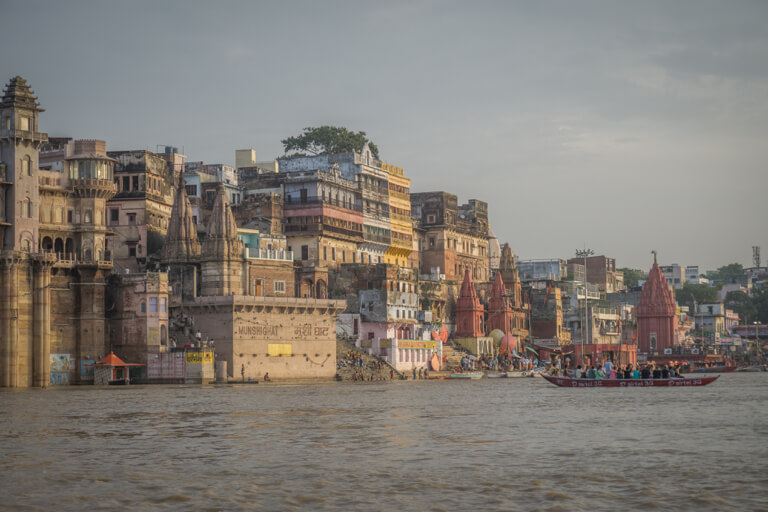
column 520, row 374
column 570, row 382
column 478, row 375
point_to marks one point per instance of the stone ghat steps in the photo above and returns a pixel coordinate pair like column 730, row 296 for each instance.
column 368, row 369
column 452, row 357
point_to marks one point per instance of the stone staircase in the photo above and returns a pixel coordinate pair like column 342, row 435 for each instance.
column 452, row 356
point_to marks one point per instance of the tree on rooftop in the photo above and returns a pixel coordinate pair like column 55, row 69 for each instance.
column 742, row 304
column 632, row 276
column 328, row 140
column 725, row 272
column 695, row 293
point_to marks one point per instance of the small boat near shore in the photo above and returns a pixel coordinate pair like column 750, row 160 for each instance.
column 467, row 375
column 712, row 369
column 570, row 382
column 751, row 369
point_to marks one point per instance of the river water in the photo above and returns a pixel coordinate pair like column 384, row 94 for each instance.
column 493, row 444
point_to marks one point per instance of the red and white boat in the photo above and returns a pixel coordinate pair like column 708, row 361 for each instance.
column 570, row 382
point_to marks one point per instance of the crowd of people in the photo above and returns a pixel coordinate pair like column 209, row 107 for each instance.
column 611, row 371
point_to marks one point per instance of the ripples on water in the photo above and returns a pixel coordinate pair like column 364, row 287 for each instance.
column 506, row 444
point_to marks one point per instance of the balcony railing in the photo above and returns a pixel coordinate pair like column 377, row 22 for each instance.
column 267, row 254
column 69, row 258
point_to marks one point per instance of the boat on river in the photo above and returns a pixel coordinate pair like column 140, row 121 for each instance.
column 467, row 375
column 570, row 382
column 712, row 369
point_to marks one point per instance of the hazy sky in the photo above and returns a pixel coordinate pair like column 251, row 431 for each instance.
column 624, row 127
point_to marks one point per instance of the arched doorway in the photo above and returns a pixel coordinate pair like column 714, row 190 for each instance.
column 69, row 248
column 47, row 244
column 58, row 246
column 322, row 289
column 306, row 288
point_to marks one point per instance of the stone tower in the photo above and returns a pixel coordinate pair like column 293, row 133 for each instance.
column 181, row 250
column 25, row 273
column 469, row 311
column 510, row 276
column 181, row 243
column 222, row 257
column 500, row 314
column 19, row 146
column 656, row 314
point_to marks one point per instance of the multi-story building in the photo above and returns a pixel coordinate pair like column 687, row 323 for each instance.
column 138, row 214
column 601, row 270
column 372, row 177
column 54, row 261
column 138, row 315
column 401, row 244
column 202, row 181
column 455, row 236
column 323, row 218
column 674, row 274
column 710, row 318
column 543, row 270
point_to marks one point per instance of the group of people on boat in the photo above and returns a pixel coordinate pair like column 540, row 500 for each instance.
column 610, row 371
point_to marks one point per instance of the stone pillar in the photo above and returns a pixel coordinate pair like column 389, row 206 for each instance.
column 91, row 325
column 5, row 331
column 10, row 330
column 41, row 350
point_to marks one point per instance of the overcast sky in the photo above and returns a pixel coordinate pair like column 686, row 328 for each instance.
column 622, row 127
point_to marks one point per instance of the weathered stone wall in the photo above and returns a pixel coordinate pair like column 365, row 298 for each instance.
column 289, row 338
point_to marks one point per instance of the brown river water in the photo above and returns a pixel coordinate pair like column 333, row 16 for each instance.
column 493, row 444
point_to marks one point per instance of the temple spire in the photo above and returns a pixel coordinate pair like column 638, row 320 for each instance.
column 656, row 313
column 181, row 243
column 221, row 241
column 469, row 311
column 222, row 258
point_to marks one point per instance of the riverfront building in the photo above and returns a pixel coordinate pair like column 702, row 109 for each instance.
column 254, row 333
column 54, row 261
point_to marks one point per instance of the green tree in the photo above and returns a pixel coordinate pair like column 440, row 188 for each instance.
column 742, row 304
column 760, row 301
column 726, row 271
column 698, row 293
column 632, row 276
column 328, row 140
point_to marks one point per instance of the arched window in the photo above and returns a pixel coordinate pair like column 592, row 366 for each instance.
column 26, row 168
column 88, row 255
column 87, row 216
column 26, row 245
column 27, row 208
column 143, row 307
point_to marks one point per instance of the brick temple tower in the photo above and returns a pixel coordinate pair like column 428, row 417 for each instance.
column 222, row 252
column 469, row 311
column 656, row 314
column 500, row 315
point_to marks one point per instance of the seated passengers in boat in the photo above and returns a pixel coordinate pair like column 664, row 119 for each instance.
column 645, row 373
column 656, row 373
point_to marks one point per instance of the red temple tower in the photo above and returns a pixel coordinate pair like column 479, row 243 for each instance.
column 656, row 314
column 469, row 311
column 500, row 315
